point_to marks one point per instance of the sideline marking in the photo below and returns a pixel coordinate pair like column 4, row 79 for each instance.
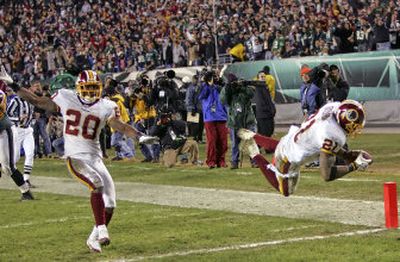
column 345, row 179
column 249, row 246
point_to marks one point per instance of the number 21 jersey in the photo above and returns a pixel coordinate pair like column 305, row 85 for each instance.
column 320, row 132
column 82, row 122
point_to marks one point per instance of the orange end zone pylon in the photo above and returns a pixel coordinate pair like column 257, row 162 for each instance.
column 390, row 200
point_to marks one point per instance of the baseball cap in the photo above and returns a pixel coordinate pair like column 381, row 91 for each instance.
column 305, row 70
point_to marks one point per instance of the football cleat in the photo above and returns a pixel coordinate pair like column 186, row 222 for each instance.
column 27, row 196
column 103, row 237
column 93, row 245
column 148, row 139
column 250, row 147
column 92, row 242
column 246, row 134
column 29, row 184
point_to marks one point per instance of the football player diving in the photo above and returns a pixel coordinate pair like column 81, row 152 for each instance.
column 322, row 137
column 84, row 114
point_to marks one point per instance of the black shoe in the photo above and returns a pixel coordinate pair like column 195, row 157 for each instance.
column 314, row 164
column 198, row 163
column 147, row 160
column 117, row 158
column 27, row 196
column 29, row 184
column 211, row 167
column 234, row 166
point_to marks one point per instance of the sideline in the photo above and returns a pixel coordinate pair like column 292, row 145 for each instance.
column 345, row 211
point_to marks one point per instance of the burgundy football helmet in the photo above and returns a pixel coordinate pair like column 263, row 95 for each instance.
column 89, row 86
column 350, row 115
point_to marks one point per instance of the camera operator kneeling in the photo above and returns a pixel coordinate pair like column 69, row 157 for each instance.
column 173, row 140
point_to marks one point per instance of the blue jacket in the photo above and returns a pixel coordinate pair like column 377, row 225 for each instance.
column 310, row 97
column 213, row 109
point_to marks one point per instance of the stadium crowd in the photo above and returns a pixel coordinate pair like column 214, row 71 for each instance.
column 38, row 37
column 41, row 39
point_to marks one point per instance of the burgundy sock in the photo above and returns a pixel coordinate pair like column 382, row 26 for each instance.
column 266, row 142
column 96, row 199
column 269, row 175
column 108, row 217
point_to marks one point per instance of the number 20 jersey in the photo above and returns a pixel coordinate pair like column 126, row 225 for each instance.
column 82, row 122
column 320, row 132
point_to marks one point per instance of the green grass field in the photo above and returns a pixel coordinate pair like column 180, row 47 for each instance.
column 55, row 227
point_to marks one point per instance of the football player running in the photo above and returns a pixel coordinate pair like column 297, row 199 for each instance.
column 7, row 142
column 85, row 113
column 322, row 136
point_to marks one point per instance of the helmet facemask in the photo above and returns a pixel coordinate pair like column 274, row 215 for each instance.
column 351, row 117
column 89, row 92
column 89, row 87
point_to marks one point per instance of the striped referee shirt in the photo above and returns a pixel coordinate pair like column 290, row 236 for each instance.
column 20, row 112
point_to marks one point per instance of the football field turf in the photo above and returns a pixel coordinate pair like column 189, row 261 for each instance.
column 195, row 214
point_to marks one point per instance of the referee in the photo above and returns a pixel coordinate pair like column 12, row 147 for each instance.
column 7, row 143
column 20, row 112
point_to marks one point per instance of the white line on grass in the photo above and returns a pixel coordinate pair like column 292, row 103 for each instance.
column 47, row 221
column 250, row 245
column 344, row 179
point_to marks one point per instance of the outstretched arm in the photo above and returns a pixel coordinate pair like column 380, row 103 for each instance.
column 330, row 171
column 43, row 102
column 124, row 128
column 38, row 101
column 356, row 159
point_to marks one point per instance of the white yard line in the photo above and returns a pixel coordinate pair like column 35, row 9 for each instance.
column 67, row 219
column 343, row 179
column 249, row 245
column 47, row 221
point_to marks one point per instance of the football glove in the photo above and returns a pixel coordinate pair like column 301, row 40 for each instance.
column 363, row 161
column 145, row 139
column 7, row 78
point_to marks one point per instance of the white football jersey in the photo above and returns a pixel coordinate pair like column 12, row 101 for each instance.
column 303, row 144
column 83, row 123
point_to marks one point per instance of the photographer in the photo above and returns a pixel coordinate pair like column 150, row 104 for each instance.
column 237, row 95
column 145, row 116
column 165, row 91
column 215, row 117
column 173, row 140
column 124, row 147
column 339, row 88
